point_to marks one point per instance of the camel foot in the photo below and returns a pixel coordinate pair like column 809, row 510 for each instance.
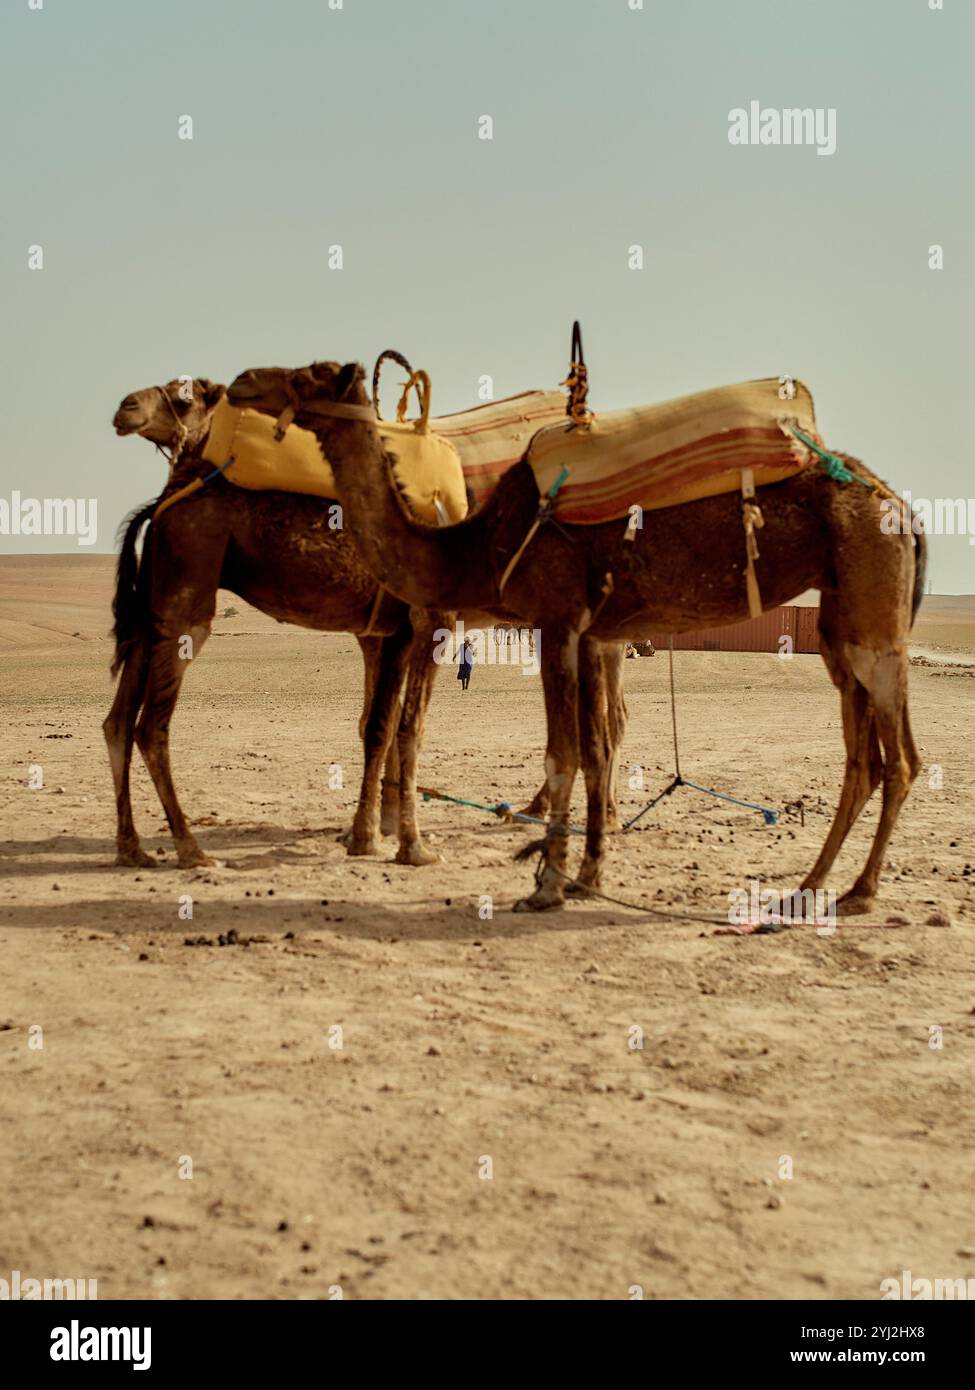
column 362, row 847
column 417, row 854
column 542, row 900
column 360, row 842
column 196, row 859
column 588, row 877
column 537, row 807
column 134, row 858
column 854, row 904
column 581, row 888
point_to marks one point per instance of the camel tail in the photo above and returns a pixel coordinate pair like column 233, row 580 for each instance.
column 920, row 570
column 131, row 585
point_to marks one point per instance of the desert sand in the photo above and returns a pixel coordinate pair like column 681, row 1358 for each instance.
column 487, row 1128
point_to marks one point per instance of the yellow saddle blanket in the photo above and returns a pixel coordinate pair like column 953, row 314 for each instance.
column 427, row 466
column 678, row 451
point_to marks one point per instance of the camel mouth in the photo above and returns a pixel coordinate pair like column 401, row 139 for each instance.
column 124, row 427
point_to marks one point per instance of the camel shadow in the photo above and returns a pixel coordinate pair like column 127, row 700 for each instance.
column 22, row 858
column 307, row 920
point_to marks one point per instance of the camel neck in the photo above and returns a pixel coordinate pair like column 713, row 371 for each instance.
column 430, row 567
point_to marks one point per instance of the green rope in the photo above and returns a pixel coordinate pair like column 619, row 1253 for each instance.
column 502, row 809
column 833, row 465
column 554, row 489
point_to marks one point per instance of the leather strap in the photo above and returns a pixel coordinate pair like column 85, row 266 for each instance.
column 374, row 612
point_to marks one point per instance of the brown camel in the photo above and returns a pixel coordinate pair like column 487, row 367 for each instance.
column 277, row 551
column 685, row 571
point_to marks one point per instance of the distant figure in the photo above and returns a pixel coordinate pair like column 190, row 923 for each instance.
column 466, row 664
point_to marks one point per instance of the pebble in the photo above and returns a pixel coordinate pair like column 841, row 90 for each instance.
column 938, row 919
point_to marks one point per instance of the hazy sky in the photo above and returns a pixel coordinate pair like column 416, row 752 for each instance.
column 359, row 127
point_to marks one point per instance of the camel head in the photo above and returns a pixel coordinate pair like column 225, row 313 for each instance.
column 172, row 415
column 290, row 393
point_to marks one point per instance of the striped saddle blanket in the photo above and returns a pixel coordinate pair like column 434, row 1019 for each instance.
column 461, row 454
column 493, row 437
column 678, row 451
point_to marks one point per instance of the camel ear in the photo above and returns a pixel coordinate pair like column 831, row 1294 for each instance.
column 347, row 380
column 213, row 392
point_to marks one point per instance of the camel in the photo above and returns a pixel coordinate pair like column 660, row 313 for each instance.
column 277, row 551
column 585, row 586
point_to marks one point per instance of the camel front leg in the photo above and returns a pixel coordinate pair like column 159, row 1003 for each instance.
column 560, row 680
column 119, row 731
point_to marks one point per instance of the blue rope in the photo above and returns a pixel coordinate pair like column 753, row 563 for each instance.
column 503, row 808
column 771, row 817
column 218, row 470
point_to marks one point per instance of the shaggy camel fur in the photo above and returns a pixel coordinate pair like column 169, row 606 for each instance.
column 684, row 571
column 277, row 551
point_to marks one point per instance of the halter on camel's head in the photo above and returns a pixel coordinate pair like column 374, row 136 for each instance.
column 171, row 415
column 284, row 391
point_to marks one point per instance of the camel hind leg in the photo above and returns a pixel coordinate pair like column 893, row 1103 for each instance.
column 384, row 681
column 615, row 711
column 884, row 675
column 612, row 658
column 168, row 660
column 864, row 764
column 371, row 648
column 119, row 731
column 560, row 680
column 422, row 672
column 597, row 753
column 865, row 625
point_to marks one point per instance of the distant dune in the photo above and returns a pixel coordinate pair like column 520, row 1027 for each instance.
column 51, row 600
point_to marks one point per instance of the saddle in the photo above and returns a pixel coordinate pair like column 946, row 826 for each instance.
column 679, row 451
column 459, row 455
column 243, row 444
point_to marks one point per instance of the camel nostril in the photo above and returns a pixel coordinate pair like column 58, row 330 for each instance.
column 130, row 403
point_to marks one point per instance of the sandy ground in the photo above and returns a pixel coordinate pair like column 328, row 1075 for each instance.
column 470, row 1046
